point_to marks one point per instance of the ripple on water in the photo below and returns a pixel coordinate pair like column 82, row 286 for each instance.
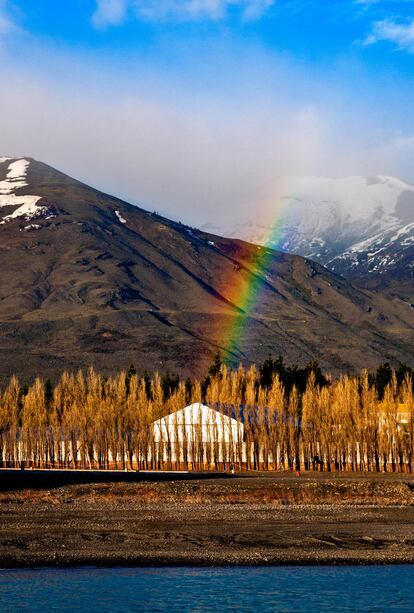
column 285, row 589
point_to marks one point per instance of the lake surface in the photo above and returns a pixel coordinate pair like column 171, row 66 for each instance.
column 288, row 589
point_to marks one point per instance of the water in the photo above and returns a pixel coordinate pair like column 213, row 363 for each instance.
column 177, row 590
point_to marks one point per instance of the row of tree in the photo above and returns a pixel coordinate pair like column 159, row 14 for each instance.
column 90, row 421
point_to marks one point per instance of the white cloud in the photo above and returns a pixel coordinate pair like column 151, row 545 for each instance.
column 386, row 4
column 181, row 158
column 399, row 33
column 154, row 10
column 367, row 2
column 394, row 156
column 109, row 13
column 199, row 9
column 114, row 12
column 7, row 25
column 202, row 136
column 256, row 8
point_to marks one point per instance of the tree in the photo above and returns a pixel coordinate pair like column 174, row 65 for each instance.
column 381, row 378
column 169, row 384
column 215, row 367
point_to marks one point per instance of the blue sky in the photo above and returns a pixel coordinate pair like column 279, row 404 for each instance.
column 315, row 31
column 189, row 105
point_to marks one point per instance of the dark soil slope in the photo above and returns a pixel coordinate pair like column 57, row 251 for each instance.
column 92, row 280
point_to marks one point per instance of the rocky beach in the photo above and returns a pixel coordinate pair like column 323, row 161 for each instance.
column 65, row 518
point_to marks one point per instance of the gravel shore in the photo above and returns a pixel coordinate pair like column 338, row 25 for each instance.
column 251, row 520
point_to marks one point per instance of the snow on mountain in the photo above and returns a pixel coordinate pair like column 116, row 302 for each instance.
column 347, row 224
column 120, row 218
column 15, row 179
column 29, row 210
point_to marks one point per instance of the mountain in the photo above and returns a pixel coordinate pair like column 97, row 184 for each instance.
column 87, row 279
column 359, row 227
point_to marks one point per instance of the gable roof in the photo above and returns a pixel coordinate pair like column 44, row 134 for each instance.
column 197, row 413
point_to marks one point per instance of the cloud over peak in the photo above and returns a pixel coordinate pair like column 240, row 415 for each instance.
column 114, row 12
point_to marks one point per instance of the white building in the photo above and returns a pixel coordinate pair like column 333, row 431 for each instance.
column 197, row 434
column 198, row 422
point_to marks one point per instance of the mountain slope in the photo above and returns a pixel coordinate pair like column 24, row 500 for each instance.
column 89, row 279
column 360, row 227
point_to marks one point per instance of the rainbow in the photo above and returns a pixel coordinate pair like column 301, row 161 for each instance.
column 245, row 288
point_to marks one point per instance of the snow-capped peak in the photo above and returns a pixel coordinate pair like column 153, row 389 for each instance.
column 12, row 180
column 326, row 219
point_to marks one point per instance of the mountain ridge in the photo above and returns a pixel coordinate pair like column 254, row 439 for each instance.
column 89, row 279
column 359, row 227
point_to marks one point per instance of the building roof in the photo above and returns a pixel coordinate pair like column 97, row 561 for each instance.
column 198, row 413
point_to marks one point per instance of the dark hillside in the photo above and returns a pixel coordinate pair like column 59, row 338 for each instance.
column 89, row 279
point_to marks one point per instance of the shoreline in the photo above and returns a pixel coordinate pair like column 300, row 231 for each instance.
column 191, row 562
column 249, row 520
